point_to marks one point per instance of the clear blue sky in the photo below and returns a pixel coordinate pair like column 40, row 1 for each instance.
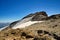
column 12, row 10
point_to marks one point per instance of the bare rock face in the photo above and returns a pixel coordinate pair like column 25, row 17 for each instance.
column 30, row 15
column 40, row 16
column 13, row 23
column 37, row 16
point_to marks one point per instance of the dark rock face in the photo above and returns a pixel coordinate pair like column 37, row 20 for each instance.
column 13, row 23
column 41, row 13
column 57, row 16
column 30, row 15
column 28, row 36
column 40, row 16
column 37, row 16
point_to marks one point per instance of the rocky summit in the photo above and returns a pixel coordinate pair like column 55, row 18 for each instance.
column 39, row 16
column 35, row 26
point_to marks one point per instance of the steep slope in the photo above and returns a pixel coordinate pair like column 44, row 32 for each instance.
column 28, row 20
column 38, row 16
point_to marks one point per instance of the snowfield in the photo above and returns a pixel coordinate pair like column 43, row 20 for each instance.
column 24, row 20
column 23, row 23
column 26, row 24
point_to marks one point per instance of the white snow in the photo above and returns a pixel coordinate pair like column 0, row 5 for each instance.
column 22, row 21
column 23, row 25
column 25, row 20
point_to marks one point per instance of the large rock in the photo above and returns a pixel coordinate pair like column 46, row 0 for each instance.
column 40, row 16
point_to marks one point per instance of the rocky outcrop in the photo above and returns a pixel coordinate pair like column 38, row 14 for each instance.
column 13, row 23
column 57, row 16
column 39, row 16
column 30, row 15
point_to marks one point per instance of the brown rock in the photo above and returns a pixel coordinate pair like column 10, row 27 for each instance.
column 57, row 16
column 40, row 16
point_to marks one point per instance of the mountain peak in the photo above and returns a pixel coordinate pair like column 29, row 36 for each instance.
column 40, row 16
column 41, row 13
column 37, row 16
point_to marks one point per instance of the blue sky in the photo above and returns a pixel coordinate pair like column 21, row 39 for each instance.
column 12, row 10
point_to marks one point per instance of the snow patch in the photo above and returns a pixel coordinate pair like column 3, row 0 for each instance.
column 23, row 25
column 25, row 20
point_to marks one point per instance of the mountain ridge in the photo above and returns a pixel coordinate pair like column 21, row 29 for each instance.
column 40, row 27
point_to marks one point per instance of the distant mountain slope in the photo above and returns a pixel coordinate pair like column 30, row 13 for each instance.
column 3, row 24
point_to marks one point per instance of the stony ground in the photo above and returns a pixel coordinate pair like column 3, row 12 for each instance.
column 48, row 30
